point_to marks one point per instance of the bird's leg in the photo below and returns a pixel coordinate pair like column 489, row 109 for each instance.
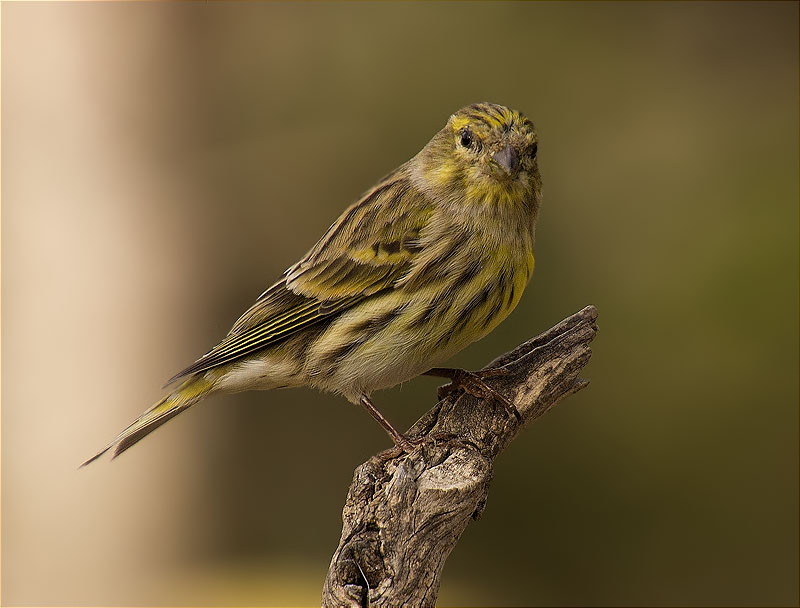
column 472, row 383
column 400, row 440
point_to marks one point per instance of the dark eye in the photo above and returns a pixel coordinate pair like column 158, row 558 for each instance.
column 533, row 150
column 466, row 139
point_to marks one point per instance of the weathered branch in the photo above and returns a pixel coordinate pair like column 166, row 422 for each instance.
column 405, row 512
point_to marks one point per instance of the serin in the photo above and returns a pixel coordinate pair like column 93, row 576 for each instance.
column 429, row 260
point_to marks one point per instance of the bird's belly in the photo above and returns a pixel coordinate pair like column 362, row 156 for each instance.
column 393, row 338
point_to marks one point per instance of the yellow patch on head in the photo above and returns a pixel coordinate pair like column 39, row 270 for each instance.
column 488, row 116
column 459, row 122
column 444, row 172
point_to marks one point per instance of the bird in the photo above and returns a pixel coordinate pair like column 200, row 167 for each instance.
column 429, row 260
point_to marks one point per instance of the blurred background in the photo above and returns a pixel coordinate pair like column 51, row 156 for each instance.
column 163, row 163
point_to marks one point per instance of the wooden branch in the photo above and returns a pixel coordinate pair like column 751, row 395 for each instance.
column 405, row 513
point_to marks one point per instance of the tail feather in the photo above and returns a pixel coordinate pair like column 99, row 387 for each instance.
column 186, row 395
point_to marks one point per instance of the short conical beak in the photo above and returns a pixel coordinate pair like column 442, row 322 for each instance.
column 507, row 158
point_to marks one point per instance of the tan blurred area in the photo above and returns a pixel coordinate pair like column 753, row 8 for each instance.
column 162, row 163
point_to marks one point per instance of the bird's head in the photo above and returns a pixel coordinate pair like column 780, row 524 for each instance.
column 487, row 154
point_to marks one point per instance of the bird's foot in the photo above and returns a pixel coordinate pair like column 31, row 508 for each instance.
column 407, row 444
column 475, row 384
column 402, row 445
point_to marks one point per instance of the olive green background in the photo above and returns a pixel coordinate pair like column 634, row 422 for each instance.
column 163, row 163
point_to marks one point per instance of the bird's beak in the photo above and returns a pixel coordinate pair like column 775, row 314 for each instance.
column 507, row 158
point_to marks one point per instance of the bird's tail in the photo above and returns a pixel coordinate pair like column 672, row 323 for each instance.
column 183, row 397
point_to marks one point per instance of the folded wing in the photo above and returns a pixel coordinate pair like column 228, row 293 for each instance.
column 366, row 251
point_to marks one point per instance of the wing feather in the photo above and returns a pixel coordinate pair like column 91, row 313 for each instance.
column 366, row 251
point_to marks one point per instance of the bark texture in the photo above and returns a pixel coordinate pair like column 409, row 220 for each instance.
column 404, row 513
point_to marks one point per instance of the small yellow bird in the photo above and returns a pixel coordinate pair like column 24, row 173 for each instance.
column 429, row 260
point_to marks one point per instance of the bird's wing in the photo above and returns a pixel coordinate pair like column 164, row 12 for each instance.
column 367, row 250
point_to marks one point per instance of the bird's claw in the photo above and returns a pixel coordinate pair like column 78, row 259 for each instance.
column 474, row 384
column 402, row 445
column 407, row 444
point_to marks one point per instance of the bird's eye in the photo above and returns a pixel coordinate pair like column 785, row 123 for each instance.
column 533, row 150
column 466, row 139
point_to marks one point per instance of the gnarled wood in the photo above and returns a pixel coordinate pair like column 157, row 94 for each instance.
column 404, row 513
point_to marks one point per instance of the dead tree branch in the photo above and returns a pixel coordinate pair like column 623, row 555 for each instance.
column 405, row 513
